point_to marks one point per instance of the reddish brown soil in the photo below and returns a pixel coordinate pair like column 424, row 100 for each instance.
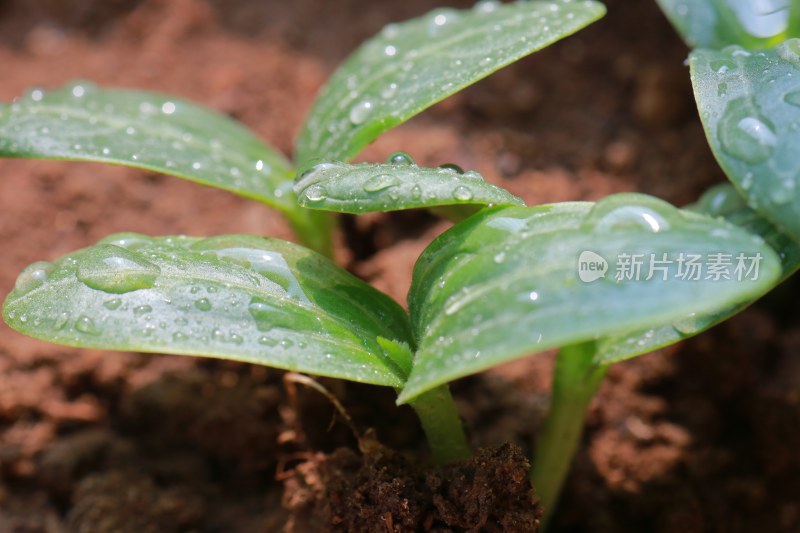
column 702, row 437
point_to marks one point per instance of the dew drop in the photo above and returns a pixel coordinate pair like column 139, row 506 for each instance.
column 721, row 66
column 745, row 135
column 720, row 201
column 687, row 325
column 360, row 112
column 113, row 269
column 129, row 241
column 267, row 341
column 197, row 165
column 235, row 338
column 792, row 98
column 168, row 108
column 142, row 310
column 452, row 168
column 315, row 174
column 32, row 276
column 112, row 304
column 473, row 175
column 180, row 337
column 390, row 91
column 499, row 257
column 747, row 181
column 441, row 18
column 86, row 325
column 390, row 51
column 315, row 193
column 37, row 95
column 400, row 159
column 416, row 192
column 486, row 6
column 380, row 182
column 648, row 214
column 783, row 193
column 61, row 320
column 203, row 304
column 462, row 194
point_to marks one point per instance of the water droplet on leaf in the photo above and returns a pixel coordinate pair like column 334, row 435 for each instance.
column 721, row 66
column 86, row 325
column 462, row 194
column 116, row 270
column 142, row 310
column 687, row 325
column 32, row 276
column 792, row 98
column 267, row 341
column 486, row 6
column 315, row 193
column 390, row 91
column 451, row 167
column 360, row 112
column 632, row 212
column 129, row 241
column 744, row 134
column 112, row 304
column 380, row 182
column 783, row 193
column 400, row 159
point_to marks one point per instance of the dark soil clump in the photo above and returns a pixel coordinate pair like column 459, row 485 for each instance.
column 385, row 492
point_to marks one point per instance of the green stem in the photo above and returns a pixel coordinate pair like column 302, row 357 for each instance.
column 442, row 425
column 313, row 229
column 576, row 379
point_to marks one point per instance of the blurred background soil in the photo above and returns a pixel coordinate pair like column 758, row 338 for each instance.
column 702, row 437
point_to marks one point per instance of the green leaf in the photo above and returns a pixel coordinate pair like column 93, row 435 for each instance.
column 720, row 201
column 718, row 23
column 370, row 187
column 750, row 107
column 410, row 66
column 264, row 301
column 145, row 130
column 505, row 283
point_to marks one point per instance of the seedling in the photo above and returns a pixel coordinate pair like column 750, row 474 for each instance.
column 507, row 282
column 745, row 70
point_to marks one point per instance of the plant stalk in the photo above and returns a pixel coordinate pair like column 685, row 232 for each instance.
column 442, row 426
column 576, row 379
column 314, row 229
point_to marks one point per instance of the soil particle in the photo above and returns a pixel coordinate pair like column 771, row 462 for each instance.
column 384, row 491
